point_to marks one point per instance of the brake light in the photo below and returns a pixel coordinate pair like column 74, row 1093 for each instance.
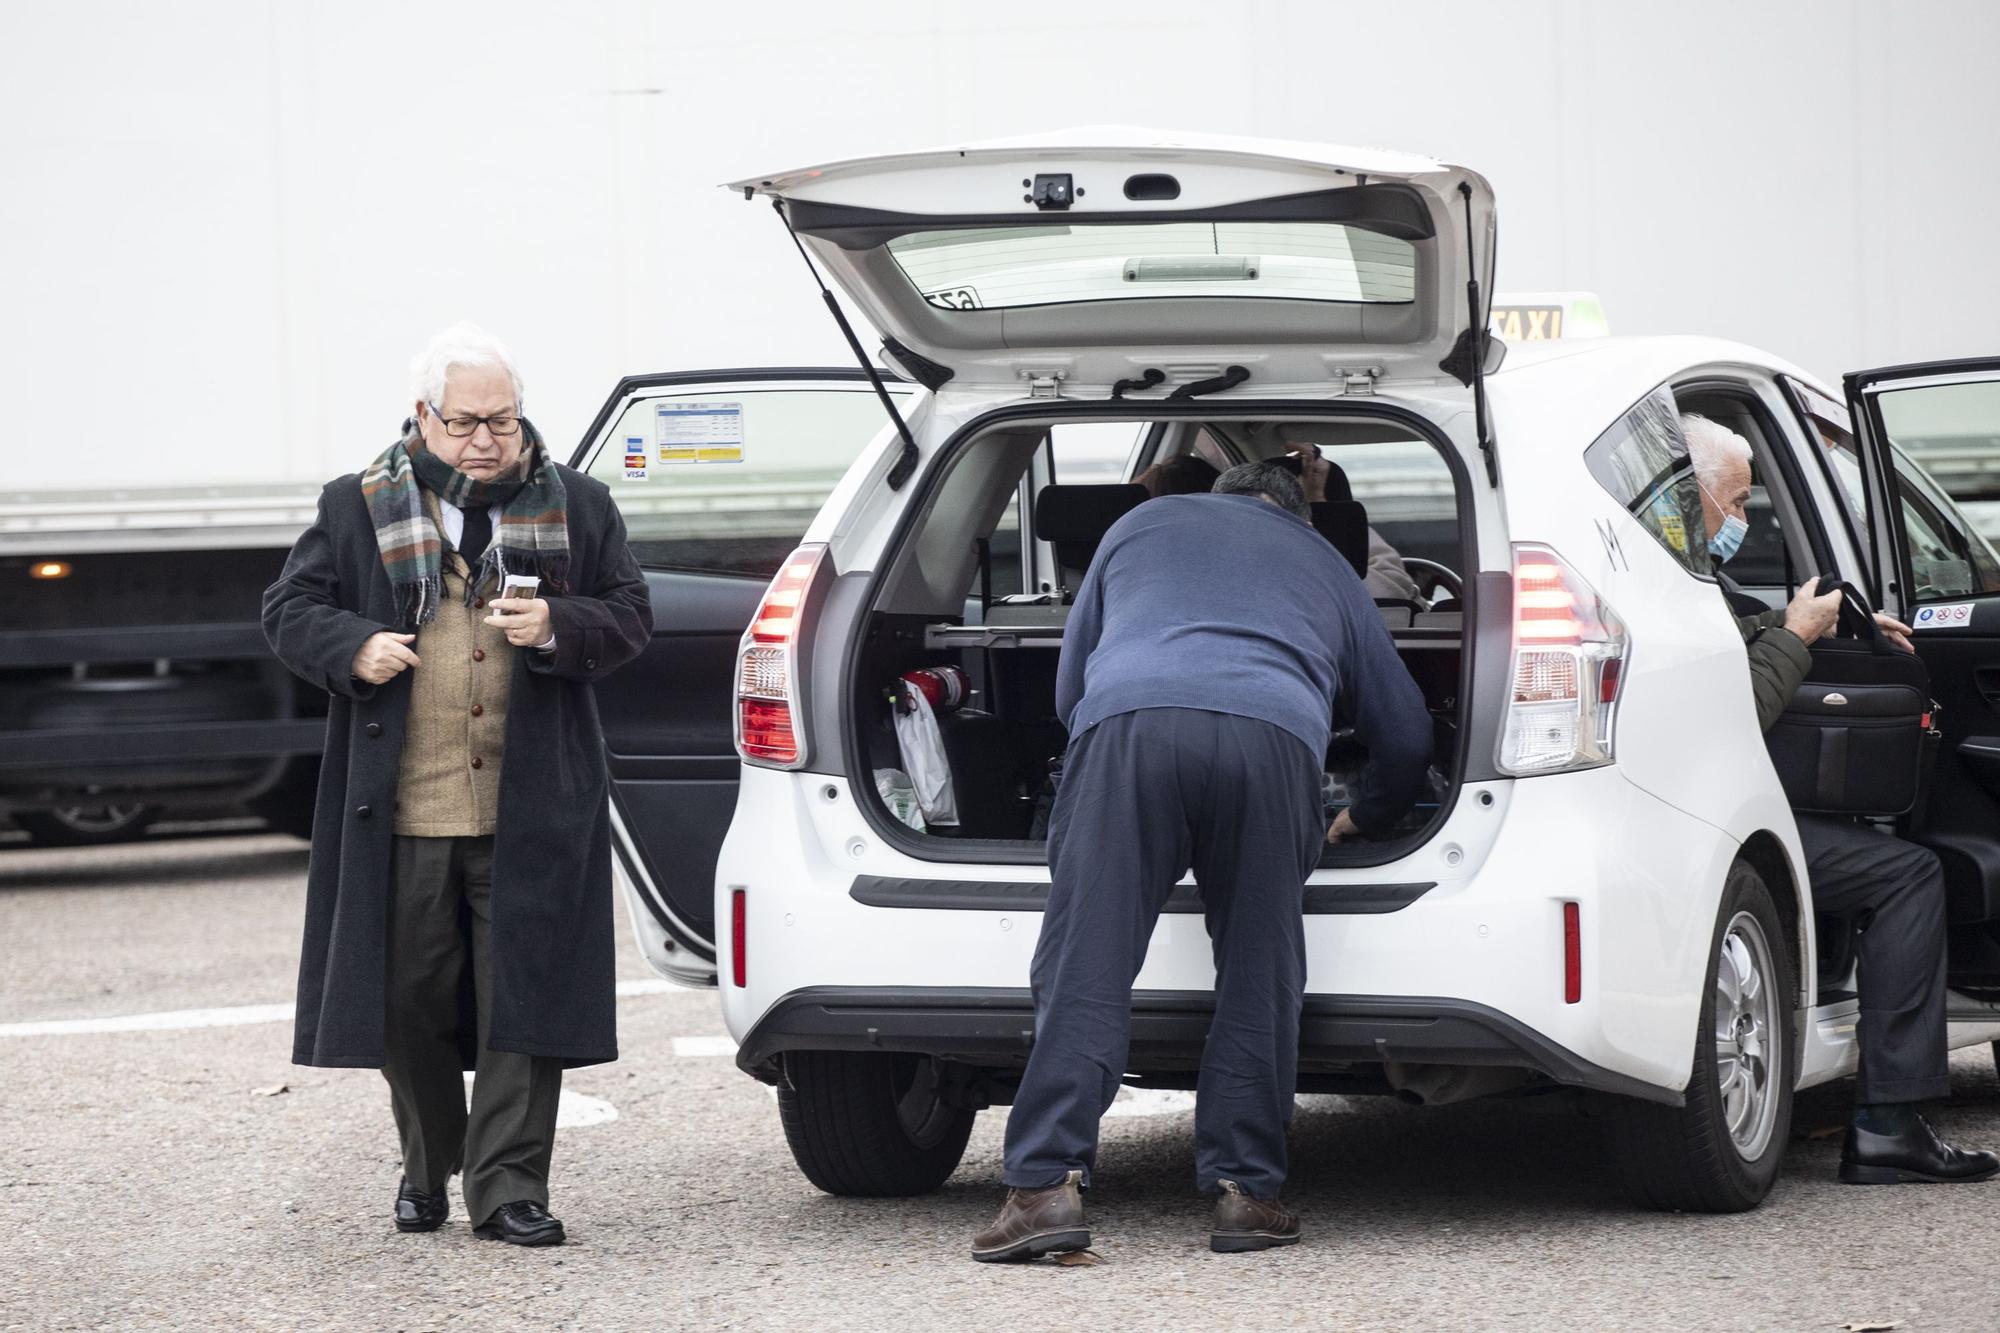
column 1568, row 667
column 769, row 719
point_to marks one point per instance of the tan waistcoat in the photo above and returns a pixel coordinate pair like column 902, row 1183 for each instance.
column 449, row 783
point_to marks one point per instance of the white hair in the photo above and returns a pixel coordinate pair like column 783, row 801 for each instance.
column 1712, row 446
column 462, row 344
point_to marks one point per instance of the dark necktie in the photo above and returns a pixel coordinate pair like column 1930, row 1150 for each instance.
column 478, row 531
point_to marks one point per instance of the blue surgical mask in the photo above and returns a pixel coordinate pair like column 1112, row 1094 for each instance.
column 1728, row 539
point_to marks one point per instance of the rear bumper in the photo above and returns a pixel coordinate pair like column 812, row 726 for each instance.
column 993, row 1028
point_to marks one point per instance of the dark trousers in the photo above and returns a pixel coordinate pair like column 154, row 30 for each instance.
column 1144, row 796
column 504, row 1143
column 1895, row 891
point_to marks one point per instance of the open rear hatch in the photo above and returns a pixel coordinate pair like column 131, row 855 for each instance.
column 1090, row 256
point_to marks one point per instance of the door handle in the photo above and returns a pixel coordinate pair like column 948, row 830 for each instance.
column 1987, row 681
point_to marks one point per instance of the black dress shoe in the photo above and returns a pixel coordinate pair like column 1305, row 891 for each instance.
column 420, row 1210
column 1917, row 1156
column 522, row 1223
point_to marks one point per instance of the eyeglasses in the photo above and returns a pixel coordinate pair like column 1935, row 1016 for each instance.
column 460, row 427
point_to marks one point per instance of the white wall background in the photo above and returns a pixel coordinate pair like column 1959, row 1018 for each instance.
column 226, row 224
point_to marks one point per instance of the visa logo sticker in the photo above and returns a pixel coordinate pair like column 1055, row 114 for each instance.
column 1956, row 616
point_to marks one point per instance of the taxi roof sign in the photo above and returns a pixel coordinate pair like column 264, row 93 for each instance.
column 1540, row 316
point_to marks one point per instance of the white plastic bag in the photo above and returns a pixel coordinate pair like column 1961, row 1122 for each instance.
column 894, row 786
column 923, row 757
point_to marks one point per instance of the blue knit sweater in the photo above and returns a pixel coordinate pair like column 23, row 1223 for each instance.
column 1230, row 604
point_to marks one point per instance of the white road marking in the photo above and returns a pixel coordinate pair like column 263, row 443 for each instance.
column 169, row 1020
column 1136, row 1102
column 574, row 1110
column 700, row 1047
column 176, row 1020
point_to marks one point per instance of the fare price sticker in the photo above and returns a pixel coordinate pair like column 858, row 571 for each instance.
column 698, row 432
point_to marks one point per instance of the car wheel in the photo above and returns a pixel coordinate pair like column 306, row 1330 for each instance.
column 86, row 825
column 1720, row 1151
column 870, row 1123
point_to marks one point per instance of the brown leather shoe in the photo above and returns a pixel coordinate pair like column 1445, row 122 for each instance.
column 1033, row 1223
column 1242, row 1223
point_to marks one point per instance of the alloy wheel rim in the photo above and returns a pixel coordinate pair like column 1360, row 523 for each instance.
column 1747, row 1036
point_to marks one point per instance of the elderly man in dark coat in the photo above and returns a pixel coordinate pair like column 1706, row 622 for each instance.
column 458, row 906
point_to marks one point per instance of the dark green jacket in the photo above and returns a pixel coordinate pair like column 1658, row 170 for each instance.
column 1778, row 662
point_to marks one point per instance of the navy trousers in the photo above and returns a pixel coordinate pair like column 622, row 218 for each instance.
column 1146, row 796
column 1895, row 889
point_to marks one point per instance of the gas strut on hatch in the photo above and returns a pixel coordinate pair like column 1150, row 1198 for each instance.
column 907, row 463
column 1467, row 362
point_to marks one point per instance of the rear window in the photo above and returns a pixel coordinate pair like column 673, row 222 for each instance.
column 1643, row 461
column 997, row 267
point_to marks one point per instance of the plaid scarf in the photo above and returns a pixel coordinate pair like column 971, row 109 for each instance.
column 532, row 536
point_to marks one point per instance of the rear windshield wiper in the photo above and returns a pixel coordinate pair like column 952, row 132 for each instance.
column 907, row 463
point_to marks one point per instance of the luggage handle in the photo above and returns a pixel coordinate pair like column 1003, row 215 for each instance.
column 1857, row 618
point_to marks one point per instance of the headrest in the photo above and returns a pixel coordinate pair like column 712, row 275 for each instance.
column 1083, row 513
column 1336, row 484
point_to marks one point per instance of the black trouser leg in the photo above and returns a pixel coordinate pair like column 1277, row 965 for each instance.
column 426, row 959
column 1118, row 841
column 1256, row 838
column 1144, row 794
column 1896, row 889
column 510, row 1134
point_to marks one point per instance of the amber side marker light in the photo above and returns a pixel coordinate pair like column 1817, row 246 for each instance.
column 49, row 569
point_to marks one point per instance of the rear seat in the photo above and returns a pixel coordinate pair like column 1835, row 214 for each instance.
column 1074, row 519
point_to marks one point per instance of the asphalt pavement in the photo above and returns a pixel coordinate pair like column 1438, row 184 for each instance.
column 153, row 1175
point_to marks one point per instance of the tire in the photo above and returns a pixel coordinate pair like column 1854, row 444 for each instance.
column 1695, row 1158
column 87, row 825
column 869, row 1124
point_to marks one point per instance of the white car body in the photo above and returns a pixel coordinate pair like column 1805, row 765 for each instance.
column 1472, row 970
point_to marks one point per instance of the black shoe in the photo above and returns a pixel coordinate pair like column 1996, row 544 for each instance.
column 1033, row 1223
column 1243, row 1224
column 522, row 1223
column 1917, row 1156
column 420, row 1210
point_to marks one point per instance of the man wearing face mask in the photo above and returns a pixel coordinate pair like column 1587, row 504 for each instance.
column 1895, row 888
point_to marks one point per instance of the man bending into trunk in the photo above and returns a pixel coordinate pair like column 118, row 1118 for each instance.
column 1199, row 670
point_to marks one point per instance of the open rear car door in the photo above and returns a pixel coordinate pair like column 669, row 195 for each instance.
column 717, row 475
column 1075, row 260
column 1940, row 574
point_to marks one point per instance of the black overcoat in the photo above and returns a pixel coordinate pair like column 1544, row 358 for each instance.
column 552, row 931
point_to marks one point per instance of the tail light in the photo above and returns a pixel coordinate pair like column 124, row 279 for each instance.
column 1569, row 660
column 770, row 722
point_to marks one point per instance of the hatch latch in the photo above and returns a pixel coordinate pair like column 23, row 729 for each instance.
column 1357, row 381
column 1043, row 383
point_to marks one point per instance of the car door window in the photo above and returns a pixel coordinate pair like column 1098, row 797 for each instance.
column 1643, row 462
column 1947, row 558
column 726, row 479
column 1833, row 427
